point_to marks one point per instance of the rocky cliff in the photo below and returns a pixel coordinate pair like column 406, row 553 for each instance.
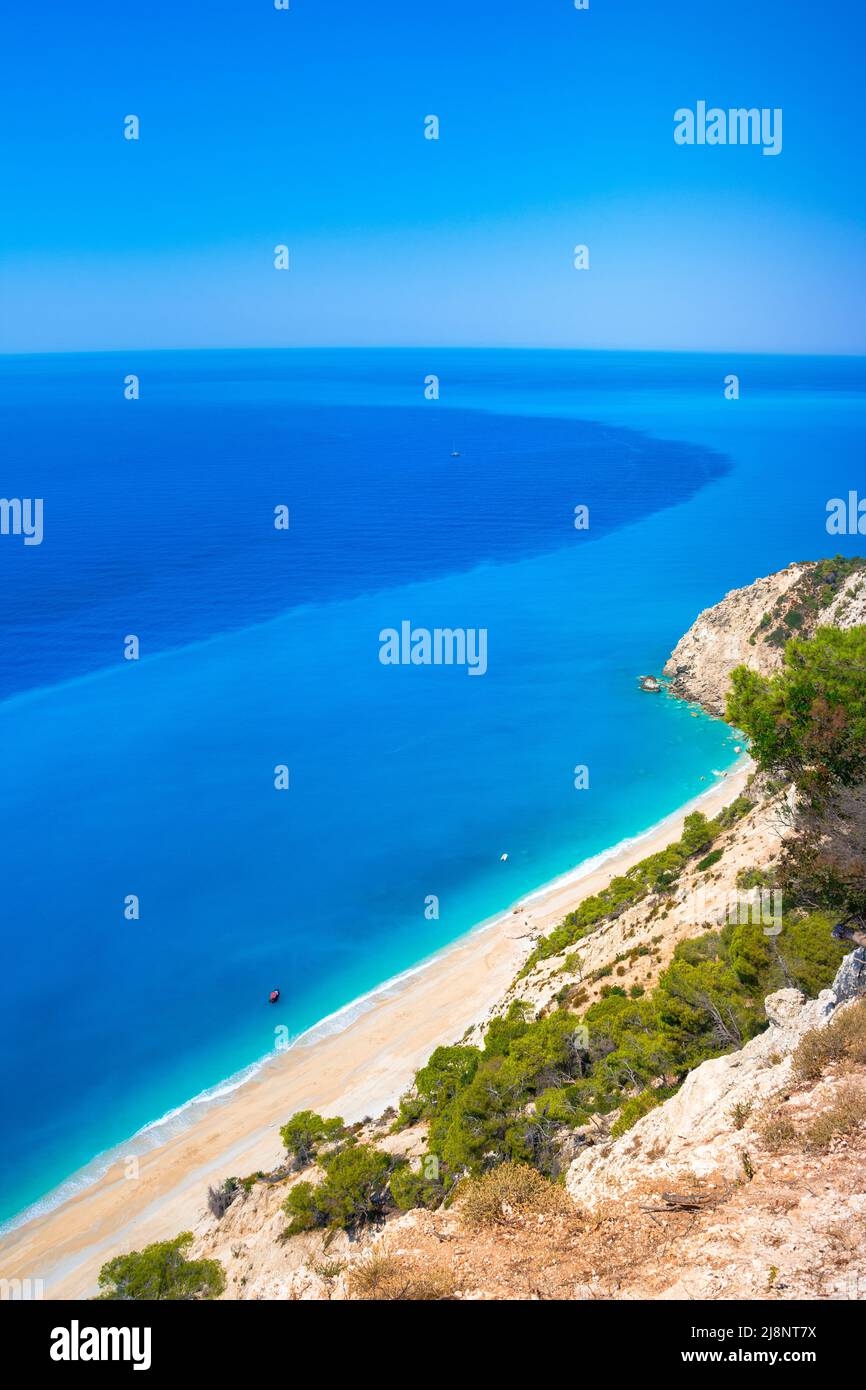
column 750, row 626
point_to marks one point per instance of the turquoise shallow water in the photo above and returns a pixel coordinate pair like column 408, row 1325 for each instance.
column 156, row 777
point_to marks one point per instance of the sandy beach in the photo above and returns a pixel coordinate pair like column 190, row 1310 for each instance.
column 354, row 1072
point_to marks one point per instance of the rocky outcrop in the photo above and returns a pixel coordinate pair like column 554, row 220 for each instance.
column 721, row 638
column 850, row 982
column 750, row 626
column 848, row 609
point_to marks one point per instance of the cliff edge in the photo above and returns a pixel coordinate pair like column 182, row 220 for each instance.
column 750, row 626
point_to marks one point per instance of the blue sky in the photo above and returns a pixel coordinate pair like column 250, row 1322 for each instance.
column 261, row 127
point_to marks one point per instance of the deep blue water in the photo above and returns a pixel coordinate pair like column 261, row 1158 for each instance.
column 160, row 512
column 260, row 647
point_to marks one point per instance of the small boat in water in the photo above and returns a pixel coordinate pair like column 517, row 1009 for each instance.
column 273, row 996
column 650, row 683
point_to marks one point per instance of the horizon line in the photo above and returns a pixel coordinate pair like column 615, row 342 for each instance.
column 429, row 347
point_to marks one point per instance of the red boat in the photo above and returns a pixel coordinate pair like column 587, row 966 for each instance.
column 273, row 996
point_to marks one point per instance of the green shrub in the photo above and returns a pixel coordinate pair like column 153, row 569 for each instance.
column 447, row 1072
column 808, row 955
column 304, row 1133
column 808, row 720
column 412, row 1189
column 754, row 878
column 740, row 1112
column 353, row 1191
column 161, row 1272
column 506, row 1029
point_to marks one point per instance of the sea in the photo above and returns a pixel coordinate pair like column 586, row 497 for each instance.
column 213, row 787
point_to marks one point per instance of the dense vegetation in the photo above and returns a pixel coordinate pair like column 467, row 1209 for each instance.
column 657, row 873
column 359, row 1183
column 353, row 1191
column 161, row 1272
column 306, row 1132
column 808, row 720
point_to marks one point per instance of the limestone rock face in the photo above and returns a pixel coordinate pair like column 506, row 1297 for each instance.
column 850, row 980
column 783, row 1007
column 702, row 661
column 750, row 626
column 848, row 609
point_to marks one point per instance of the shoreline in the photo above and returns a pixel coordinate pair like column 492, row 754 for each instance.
column 355, row 1070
